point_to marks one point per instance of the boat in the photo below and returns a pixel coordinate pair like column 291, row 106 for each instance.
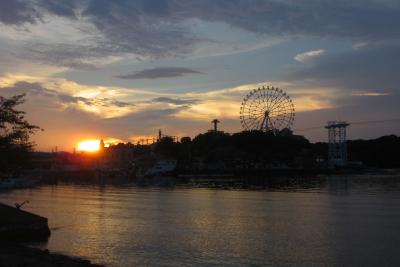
column 162, row 167
column 19, row 182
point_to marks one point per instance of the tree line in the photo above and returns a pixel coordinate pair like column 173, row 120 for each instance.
column 273, row 149
column 247, row 147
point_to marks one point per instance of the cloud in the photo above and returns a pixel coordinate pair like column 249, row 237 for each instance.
column 65, row 55
column 355, row 19
column 160, row 72
column 373, row 68
column 359, row 45
column 101, row 106
column 160, row 28
column 113, row 103
column 358, row 19
column 37, row 89
column 69, row 111
column 315, row 17
column 303, row 57
column 225, row 103
column 17, row 12
column 175, row 101
column 370, row 94
column 139, row 27
column 353, row 109
column 69, row 9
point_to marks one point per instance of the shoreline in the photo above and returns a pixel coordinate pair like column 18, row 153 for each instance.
column 12, row 254
column 214, row 179
column 18, row 226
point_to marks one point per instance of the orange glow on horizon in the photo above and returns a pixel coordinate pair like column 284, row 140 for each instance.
column 89, row 145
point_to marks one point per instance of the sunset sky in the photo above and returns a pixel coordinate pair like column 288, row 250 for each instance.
column 122, row 69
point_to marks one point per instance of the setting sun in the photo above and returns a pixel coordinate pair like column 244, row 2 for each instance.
column 89, row 145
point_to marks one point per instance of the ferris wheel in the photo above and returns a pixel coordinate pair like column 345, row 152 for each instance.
column 267, row 109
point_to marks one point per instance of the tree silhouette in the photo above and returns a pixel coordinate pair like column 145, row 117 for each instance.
column 15, row 131
column 382, row 152
column 167, row 147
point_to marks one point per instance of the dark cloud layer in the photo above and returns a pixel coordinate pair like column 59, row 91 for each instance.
column 354, row 19
column 160, row 72
column 67, row 55
column 18, row 12
column 175, row 101
column 357, row 18
column 155, row 28
column 371, row 68
column 140, row 27
column 68, row 8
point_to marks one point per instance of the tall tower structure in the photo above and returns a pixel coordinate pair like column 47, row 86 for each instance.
column 215, row 122
column 101, row 145
column 337, row 153
column 159, row 135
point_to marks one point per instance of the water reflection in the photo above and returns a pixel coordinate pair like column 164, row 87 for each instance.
column 332, row 221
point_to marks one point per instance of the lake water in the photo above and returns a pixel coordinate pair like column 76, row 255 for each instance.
column 337, row 222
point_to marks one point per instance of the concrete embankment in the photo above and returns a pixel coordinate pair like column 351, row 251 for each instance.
column 17, row 224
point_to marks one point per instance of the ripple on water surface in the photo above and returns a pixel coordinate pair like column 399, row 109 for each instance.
column 335, row 223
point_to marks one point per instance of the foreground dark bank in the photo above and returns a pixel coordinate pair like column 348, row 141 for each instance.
column 13, row 255
column 18, row 225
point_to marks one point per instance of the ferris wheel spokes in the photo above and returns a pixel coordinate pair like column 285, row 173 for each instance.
column 267, row 109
